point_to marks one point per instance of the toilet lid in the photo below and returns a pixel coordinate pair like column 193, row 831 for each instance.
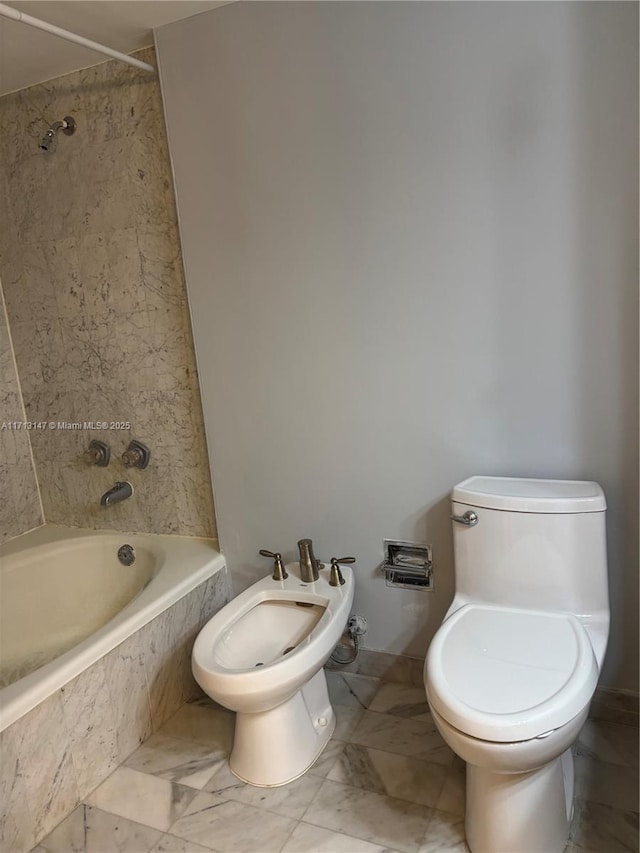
column 505, row 675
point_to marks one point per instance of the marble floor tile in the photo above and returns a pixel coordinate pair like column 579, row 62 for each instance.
column 607, row 784
column 171, row 844
column 417, row 738
column 185, row 762
column 453, row 797
column 346, row 721
column 289, row 800
column 602, row 829
column 91, row 830
column 398, row 776
column 307, row 838
column 445, row 834
column 141, row 797
column 231, row 826
column 373, row 817
column 609, row 742
column 202, row 724
column 327, row 758
column 350, row 690
column 401, row 700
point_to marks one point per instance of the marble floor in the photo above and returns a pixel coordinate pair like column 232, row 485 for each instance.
column 386, row 783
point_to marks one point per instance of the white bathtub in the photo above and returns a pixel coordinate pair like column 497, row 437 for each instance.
column 66, row 601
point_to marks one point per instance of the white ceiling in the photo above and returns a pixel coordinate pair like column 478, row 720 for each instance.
column 29, row 56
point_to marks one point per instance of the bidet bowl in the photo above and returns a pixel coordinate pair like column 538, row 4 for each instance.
column 268, row 642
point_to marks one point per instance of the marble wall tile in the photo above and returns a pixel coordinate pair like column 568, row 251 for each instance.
column 124, row 669
column 96, row 301
column 46, row 765
column 92, row 732
column 20, row 508
column 16, row 825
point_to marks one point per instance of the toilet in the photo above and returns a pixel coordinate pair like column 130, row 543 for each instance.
column 262, row 655
column 512, row 669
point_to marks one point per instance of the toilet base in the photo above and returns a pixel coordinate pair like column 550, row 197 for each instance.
column 520, row 812
column 274, row 747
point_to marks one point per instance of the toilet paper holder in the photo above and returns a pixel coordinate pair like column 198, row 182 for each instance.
column 407, row 564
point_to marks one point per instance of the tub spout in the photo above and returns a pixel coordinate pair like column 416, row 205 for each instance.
column 118, row 492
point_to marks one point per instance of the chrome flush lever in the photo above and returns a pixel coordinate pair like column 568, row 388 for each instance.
column 470, row 518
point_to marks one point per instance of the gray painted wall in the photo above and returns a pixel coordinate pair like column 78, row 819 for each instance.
column 410, row 238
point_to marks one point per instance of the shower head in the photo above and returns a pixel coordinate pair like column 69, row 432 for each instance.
column 67, row 126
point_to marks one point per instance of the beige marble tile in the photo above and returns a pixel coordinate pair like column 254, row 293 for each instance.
column 445, row 832
column 453, row 797
column 349, row 690
column 372, row 817
column 185, row 762
column 347, row 718
column 401, row 700
column 141, row 797
column 90, row 726
column 172, row 844
column 127, row 685
column 232, row 826
column 609, row 742
column 204, row 725
column 289, row 800
column 417, row 738
column 307, row 838
column 608, row 784
column 397, row 776
column 91, row 830
column 327, row 758
column 92, row 268
column 600, row 828
column 44, row 753
column 16, row 823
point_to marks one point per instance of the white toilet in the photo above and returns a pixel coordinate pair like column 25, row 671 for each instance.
column 512, row 669
column 262, row 656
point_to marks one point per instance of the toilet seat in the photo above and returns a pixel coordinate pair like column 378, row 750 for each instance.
column 505, row 675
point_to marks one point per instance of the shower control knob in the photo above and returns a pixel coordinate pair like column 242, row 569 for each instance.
column 279, row 571
column 97, row 453
column 137, row 455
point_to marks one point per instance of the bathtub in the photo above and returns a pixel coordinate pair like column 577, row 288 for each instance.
column 66, row 601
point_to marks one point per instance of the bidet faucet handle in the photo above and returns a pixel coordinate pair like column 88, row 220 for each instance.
column 343, row 560
column 279, row 571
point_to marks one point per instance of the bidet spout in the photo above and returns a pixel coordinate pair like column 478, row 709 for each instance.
column 118, row 492
column 308, row 564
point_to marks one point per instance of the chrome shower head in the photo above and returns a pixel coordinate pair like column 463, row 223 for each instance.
column 67, row 126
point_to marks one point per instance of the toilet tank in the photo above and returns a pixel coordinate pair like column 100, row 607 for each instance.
column 537, row 544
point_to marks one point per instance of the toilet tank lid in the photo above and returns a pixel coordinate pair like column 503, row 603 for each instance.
column 529, row 495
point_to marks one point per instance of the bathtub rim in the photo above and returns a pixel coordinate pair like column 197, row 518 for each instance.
column 198, row 559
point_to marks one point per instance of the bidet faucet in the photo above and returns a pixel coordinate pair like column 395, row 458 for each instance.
column 118, row 492
column 308, row 564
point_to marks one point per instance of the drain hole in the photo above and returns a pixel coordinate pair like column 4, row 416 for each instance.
column 304, row 604
column 286, row 651
column 260, row 664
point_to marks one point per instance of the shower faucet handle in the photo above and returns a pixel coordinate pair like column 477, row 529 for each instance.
column 279, row 571
column 137, row 455
column 98, row 453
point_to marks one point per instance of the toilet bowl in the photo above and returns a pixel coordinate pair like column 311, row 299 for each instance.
column 512, row 669
column 262, row 655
